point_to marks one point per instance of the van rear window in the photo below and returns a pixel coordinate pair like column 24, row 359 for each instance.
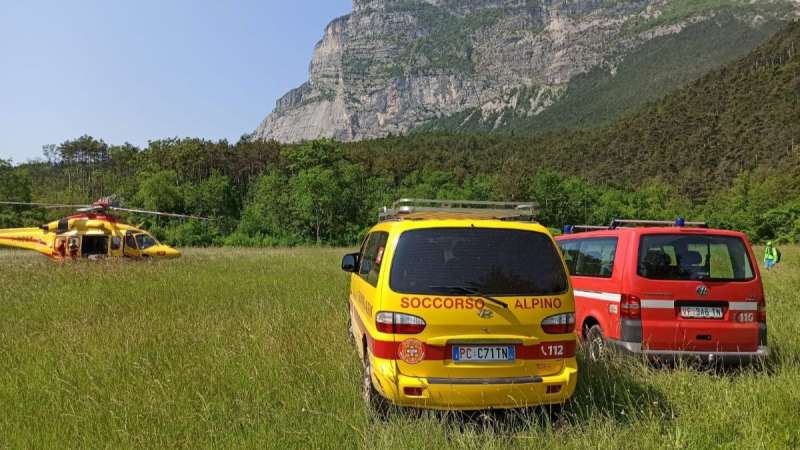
column 694, row 257
column 499, row 262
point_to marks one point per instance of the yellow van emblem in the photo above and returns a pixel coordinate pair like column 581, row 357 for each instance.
column 485, row 313
column 411, row 351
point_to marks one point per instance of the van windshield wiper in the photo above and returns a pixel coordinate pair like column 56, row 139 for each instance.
column 471, row 291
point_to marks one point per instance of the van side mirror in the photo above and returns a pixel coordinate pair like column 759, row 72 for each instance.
column 350, row 262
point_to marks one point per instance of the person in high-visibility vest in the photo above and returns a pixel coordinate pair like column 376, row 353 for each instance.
column 771, row 256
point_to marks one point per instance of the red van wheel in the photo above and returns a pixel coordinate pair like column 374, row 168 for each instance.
column 596, row 343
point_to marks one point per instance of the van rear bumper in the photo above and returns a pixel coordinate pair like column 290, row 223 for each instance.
column 483, row 393
column 635, row 348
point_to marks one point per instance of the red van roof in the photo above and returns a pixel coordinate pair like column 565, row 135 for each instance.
column 650, row 230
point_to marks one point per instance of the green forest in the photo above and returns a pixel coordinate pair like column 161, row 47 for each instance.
column 725, row 149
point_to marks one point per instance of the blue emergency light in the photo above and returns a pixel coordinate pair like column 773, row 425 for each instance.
column 567, row 229
column 680, row 222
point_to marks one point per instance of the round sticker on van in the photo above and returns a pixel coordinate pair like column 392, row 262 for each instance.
column 411, row 351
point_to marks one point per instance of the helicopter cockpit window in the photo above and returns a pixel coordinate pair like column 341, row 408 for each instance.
column 116, row 243
column 145, row 241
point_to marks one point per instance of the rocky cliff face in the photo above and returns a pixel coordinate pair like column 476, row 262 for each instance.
column 393, row 65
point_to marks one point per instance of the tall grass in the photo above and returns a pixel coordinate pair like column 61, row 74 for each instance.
column 247, row 348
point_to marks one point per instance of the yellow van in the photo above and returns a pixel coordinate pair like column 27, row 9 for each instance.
column 462, row 305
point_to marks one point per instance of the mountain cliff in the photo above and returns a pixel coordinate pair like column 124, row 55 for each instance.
column 394, row 66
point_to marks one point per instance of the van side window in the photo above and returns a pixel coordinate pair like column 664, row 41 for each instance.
column 590, row 257
column 372, row 257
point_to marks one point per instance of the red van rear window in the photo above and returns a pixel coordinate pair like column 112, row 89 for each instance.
column 694, row 257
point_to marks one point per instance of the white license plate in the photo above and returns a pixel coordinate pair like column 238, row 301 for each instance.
column 483, row 353
column 701, row 312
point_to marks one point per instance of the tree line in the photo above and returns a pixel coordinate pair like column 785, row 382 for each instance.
column 329, row 193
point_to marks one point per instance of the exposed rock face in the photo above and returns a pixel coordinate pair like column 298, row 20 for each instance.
column 393, row 65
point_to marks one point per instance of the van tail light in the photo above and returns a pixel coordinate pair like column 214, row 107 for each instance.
column 630, row 307
column 559, row 324
column 398, row 323
column 761, row 314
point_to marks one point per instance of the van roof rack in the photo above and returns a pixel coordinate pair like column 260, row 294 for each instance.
column 422, row 209
column 617, row 223
column 679, row 222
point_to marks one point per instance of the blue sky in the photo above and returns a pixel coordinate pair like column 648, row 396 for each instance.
column 147, row 69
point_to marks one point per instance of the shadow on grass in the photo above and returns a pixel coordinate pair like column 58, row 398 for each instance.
column 484, row 427
column 780, row 356
column 612, row 389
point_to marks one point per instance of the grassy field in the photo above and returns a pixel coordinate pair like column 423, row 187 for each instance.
column 247, row 348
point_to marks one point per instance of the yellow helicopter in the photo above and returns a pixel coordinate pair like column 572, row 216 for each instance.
column 92, row 233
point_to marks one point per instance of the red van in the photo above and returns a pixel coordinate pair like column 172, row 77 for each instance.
column 667, row 290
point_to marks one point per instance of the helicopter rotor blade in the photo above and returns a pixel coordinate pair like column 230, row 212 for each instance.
column 156, row 213
column 44, row 205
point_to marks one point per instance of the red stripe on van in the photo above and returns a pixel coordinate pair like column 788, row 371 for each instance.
column 546, row 350
column 389, row 349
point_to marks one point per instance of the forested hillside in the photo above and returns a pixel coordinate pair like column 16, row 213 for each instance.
column 725, row 148
column 602, row 95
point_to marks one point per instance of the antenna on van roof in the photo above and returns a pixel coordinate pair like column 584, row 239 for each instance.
column 420, row 209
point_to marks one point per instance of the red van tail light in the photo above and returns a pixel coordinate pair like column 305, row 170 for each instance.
column 559, row 324
column 630, row 307
column 761, row 314
column 398, row 323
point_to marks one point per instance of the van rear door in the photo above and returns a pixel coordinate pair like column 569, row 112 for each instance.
column 483, row 294
column 699, row 292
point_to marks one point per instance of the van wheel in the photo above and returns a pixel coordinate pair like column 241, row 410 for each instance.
column 350, row 334
column 554, row 412
column 596, row 343
column 377, row 405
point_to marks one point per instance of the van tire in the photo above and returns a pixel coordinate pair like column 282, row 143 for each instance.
column 351, row 336
column 596, row 346
column 377, row 405
column 555, row 412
